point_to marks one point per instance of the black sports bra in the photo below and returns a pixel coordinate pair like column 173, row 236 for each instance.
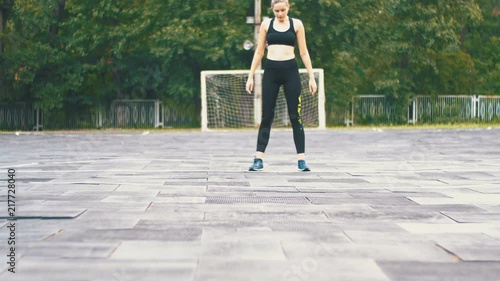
column 275, row 37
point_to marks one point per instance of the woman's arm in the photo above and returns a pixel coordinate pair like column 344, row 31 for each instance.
column 304, row 54
column 259, row 53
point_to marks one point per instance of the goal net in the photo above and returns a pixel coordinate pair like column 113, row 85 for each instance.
column 226, row 104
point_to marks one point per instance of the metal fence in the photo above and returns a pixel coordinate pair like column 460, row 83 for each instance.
column 176, row 117
column 363, row 110
column 443, row 109
column 488, row 108
column 378, row 109
column 337, row 115
column 120, row 114
column 17, row 116
column 373, row 109
column 131, row 114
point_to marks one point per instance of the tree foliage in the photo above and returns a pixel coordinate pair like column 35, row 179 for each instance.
column 57, row 53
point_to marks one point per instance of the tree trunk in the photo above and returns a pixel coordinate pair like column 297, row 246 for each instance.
column 54, row 29
column 5, row 7
column 1, row 53
column 4, row 14
column 1, row 29
column 3, row 24
column 463, row 35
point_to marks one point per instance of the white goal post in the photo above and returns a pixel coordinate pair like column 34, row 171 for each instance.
column 225, row 104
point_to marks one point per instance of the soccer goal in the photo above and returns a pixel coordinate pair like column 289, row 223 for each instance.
column 225, row 104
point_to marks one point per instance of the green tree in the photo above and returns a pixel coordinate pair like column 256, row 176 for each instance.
column 154, row 48
column 5, row 11
column 410, row 43
column 36, row 64
column 482, row 43
column 95, row 51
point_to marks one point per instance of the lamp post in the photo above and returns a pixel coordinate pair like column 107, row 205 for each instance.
column 257, row 19
column 248, row 45
column 257, row 103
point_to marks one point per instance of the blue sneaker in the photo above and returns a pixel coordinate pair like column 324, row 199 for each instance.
column 257, row 165
column 303, row 166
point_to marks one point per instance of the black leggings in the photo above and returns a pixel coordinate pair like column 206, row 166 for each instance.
column 279, row 73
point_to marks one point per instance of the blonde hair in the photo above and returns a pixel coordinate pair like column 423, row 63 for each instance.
column 279, row 1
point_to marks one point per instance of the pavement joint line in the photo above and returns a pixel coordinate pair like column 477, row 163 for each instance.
column 444, row 214
column 455, row 257
column 19, row 165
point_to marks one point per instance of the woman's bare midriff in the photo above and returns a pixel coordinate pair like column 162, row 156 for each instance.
column 280, row 52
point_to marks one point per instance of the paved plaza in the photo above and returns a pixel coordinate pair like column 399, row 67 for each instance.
column 379, row 205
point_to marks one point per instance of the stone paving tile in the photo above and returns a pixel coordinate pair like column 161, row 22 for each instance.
column 308, row 269
column 60, row 269
column 408, row 251
column 469, row 246
column 381, row 237
column 431, row 271
column 266, row 216
column 244, row 250
column 487, row 189
column 38, row 213
column 450, row 227
column 94, row 205
column 433, row 207
column 205, row 224
column 157, row 251
column 463, row 217
column 136, row 234
column 131, row 214
column 257, row 200
column 70, row 250
column 336, row 195
column 490, row 208
column 29, row 235
column 79, row 223
column 29, row 204
column 477, row 198
column 494, row 234
column 394, row 216
column 104, row 194
column 379, row 205
column 253, row 188
column 392, row 194
column 389, row 227
column 369, row 201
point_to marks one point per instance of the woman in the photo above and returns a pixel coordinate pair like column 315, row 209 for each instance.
column 281, row 34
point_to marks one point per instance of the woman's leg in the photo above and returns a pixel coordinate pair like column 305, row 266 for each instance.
column 270, row 90
column 292, row 88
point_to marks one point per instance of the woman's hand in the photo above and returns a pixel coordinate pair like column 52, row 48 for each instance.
column 249, row 86
column 312, row 86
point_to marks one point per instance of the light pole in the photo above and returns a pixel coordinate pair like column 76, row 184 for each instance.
column 257, row 19
column 249, row 45
column 257, row 101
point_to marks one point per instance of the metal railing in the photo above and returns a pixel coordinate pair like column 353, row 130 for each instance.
column 442, row 109
column 377, row 109
column 16, row 116
column 363, row 110
column 120, row 114
column 488, row 108
column 373, row 109
column 132, row 114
